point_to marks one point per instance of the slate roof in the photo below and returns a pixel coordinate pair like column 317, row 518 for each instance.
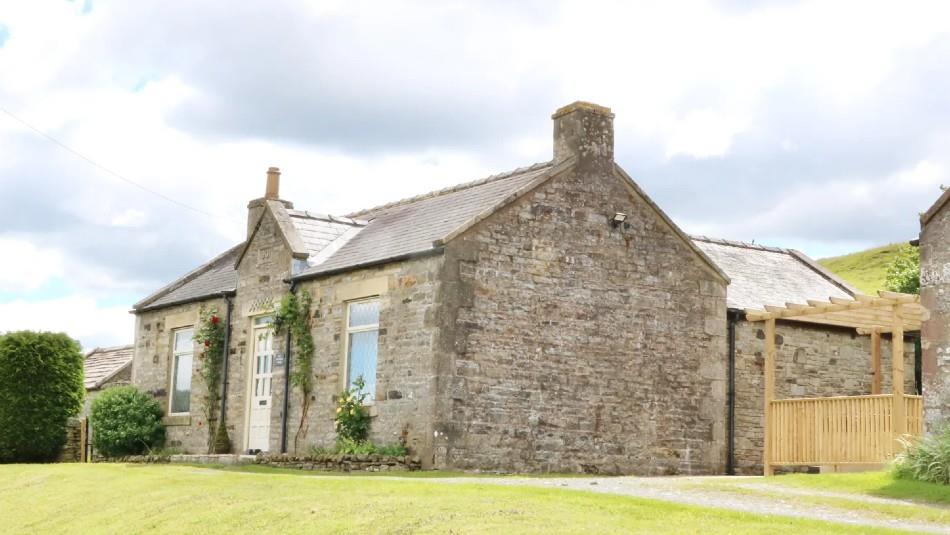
column 213, row 278
column 323, row 234
column 764, row 275
column 103, row 363
column 411, row 226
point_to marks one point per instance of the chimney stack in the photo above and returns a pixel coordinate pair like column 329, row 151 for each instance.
column 271, row 193
column 273, row 184
column 585, row 131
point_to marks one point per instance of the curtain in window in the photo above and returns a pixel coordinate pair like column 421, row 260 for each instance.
column 363, row 349
column 181, row 396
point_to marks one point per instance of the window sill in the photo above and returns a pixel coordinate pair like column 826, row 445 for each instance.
column 176, row 420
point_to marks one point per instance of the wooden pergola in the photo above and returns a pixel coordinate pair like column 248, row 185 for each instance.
column 844, row 429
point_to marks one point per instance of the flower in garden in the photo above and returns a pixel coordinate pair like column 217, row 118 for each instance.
column 339, row 410
column 352, row 412
column 207, row 343
column 214, row 319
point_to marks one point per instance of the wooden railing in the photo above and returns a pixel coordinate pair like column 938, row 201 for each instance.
column 838, row 430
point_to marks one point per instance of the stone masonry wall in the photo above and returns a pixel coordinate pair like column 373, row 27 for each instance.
column 151, row 371
column 935, row 332
column 810, row 361
column 405, row 372
column 261, row 273
column 569, row 345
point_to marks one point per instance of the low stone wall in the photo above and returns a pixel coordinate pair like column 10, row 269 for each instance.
column 343, row 463
column 183, row 459
column 326, row 463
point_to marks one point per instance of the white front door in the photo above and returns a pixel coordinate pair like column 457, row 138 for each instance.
column 258, row 436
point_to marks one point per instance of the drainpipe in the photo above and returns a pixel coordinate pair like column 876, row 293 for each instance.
column 287, row 361
column 732, row 316
column 227, row 351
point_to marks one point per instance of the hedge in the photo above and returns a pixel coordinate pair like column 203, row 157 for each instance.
column 41, row 386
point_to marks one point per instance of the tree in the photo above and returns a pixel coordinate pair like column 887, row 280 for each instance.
column 40, row 388
column 903, row 273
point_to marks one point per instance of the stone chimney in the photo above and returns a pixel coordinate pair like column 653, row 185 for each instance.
column 585, row 131
column 271, row 193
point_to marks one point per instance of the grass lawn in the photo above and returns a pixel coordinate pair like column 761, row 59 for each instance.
column 110, row 498
column 927, row 502
column 879, row 484
column 864, row 269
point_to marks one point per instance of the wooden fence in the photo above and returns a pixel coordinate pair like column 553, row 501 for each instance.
column 838, row 430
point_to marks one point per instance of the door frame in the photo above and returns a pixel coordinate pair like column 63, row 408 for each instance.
column 249, row 373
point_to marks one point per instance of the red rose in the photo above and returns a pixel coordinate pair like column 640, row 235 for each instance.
column 214, row 320
column 207, row 343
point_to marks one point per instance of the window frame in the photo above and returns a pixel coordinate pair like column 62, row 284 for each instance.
column 348, row 330
column 173, row 366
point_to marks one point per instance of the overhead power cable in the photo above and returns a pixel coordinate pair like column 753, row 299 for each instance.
column 105, row 169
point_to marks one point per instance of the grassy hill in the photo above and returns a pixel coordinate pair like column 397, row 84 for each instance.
column 865, row 269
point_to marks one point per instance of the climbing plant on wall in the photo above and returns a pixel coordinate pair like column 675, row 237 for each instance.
column 210, row 339
column 293, row 316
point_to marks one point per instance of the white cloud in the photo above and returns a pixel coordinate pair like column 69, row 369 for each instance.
column 703, row 134
column 79, row 317
column 690, row 78
column 25, row 266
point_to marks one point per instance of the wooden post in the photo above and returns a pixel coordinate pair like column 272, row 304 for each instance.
column 769, row 374
column 876, row 361
column 899, row 419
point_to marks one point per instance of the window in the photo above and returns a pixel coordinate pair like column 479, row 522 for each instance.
column 182, row 360
column 362, row 337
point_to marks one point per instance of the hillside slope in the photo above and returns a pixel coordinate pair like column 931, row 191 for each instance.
column 864, row 269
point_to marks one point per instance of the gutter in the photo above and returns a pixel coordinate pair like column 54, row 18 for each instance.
column 437, row 248
column 287, row 362
column 149, row 308
column 227, row 351
column 732, row 317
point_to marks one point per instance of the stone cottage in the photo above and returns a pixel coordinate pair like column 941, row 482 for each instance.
column 812, row 360
column 104, row 367
column 549, row 318
column 935, row 296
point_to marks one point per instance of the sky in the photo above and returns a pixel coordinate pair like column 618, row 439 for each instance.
column 132, row 134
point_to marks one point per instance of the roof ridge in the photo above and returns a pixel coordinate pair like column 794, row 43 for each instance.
column 307, row 214
column 452, row 189
column 109, row 349
column 736, row 243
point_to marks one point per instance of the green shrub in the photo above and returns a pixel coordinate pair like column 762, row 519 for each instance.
column 352, row 418
column 40, row 388
column 126, row 421
column 926, row 460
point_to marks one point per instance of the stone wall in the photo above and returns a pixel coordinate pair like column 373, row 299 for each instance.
column 569, row 345
column 935, row 332
column 405, row 371
column 261, row 273
column 810, row 361
column 151, row 371
column 342, row 463
column 72, row 449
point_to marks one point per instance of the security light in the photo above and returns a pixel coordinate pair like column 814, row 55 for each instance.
column 618, row 219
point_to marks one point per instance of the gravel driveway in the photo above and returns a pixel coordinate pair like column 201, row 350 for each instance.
column 688, row 490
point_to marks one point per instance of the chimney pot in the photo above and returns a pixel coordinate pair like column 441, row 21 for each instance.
column 586, row 131
column 273, row 184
